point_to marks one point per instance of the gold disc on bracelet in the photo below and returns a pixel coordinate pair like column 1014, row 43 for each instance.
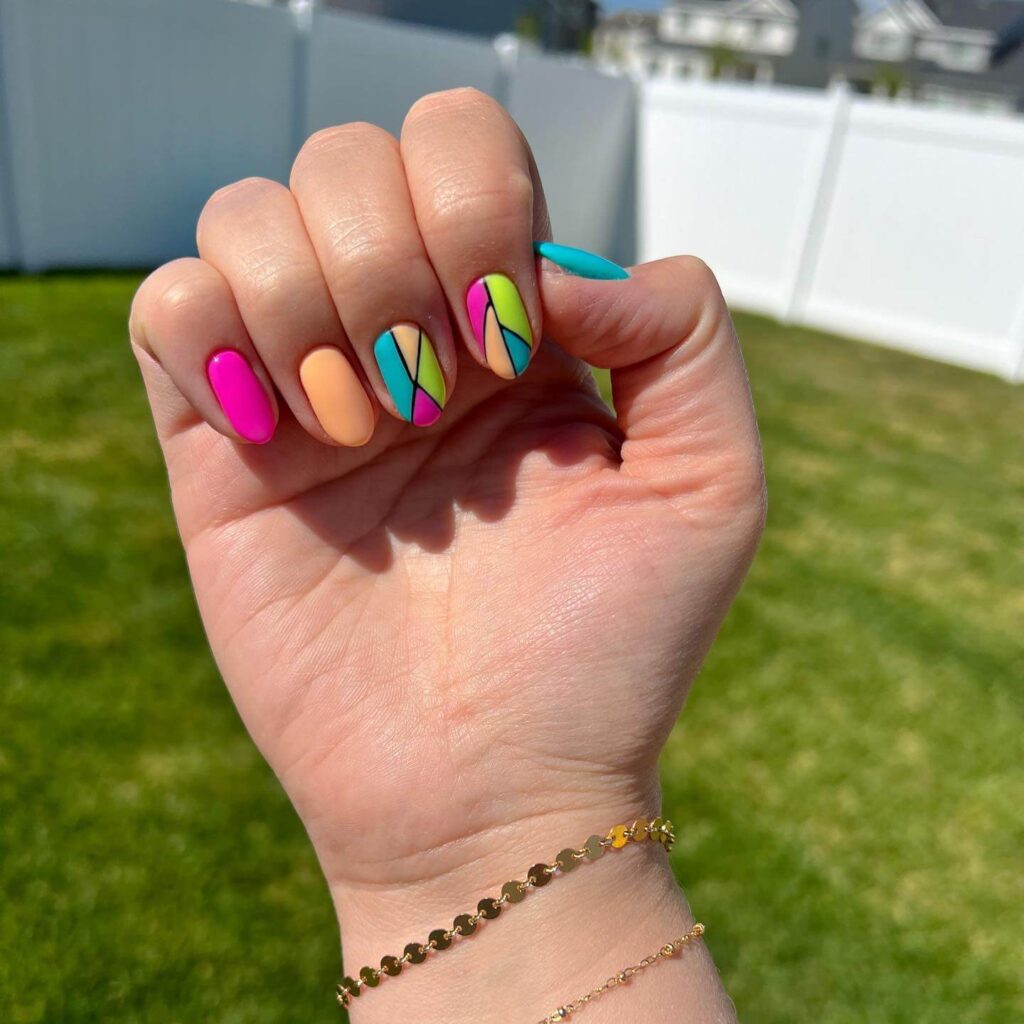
column 539, row 874
column 415, row 953
column 566, row 860
column 464, row 924
column 514, row 892
column 488, row 908
column 618, row 837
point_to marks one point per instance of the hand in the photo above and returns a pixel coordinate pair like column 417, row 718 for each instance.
column 460, row 646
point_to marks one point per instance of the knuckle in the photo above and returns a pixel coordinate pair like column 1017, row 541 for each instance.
column 184, row 298
column 467, row 198
column 271, row 284
column 358, row 235
column 358, row 136
column 701, row 279
column 360, row 243
column 244, row 192
column 161, row 295
column 236, row 202
column 448, row 103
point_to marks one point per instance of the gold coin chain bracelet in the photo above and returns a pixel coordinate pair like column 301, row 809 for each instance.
column 670, row 949
column 659, row 830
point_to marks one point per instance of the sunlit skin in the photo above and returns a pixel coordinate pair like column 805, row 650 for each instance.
column 462, row 648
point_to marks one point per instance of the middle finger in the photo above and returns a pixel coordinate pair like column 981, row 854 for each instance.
column 351, row 189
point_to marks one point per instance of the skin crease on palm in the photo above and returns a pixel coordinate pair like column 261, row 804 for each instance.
column 462, row 648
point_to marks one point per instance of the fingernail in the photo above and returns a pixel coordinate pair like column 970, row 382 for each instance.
column 408, row 364
column 338, row 398
column 500, row 324
column 241, row 395
column 580, row 262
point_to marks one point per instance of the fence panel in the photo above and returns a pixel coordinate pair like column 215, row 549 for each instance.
column 366, row 69
column 923, row 243
column 126, row 114
column 581, row 126
column 899, row 225
column 730, row 173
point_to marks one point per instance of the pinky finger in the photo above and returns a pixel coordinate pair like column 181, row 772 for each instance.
column 184, row 316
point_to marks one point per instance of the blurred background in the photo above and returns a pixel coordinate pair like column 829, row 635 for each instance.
column 848, row 774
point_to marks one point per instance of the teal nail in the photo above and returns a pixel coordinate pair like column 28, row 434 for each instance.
column 580, row 262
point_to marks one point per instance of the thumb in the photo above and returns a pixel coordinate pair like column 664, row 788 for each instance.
column 678, row 382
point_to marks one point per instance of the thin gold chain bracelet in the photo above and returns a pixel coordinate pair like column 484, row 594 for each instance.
column 659, row 830
column 626, row 975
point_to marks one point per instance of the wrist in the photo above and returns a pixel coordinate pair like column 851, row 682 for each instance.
column 553, row 946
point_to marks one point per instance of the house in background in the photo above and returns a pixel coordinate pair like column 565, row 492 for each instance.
column 930, row 51
column 555, row 24
column 940, row 52
column 729, row 39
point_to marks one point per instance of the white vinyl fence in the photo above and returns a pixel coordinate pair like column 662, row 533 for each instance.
column 891, row 223
column 904, row 226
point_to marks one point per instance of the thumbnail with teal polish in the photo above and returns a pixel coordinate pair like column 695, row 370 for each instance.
column 392, row 369
column 580, row 262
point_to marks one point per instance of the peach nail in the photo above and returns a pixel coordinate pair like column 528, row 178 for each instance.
column 337, row 396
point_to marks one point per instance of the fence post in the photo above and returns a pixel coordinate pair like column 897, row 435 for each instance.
column 507, row 47
column 813, row 216
column 302, row 26
column 9, row 227
column 1016, row 366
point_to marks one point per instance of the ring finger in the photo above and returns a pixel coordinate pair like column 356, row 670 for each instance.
column 350, row 186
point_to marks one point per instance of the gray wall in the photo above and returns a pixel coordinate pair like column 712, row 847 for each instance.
column 120, row 117
column 124, row 114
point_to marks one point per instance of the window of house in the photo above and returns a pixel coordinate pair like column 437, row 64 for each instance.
column 885, row 44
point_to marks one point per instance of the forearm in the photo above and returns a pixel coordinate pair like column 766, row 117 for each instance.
column 560, row 942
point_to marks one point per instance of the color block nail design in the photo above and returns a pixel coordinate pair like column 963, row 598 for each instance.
column 337, row 396
column 411, row 373
column 580, row 262
column 241, row 395
column 500, row 324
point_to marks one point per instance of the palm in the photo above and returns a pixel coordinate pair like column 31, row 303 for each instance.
column 417, row 625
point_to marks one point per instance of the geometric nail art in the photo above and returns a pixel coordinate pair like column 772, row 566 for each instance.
column 500, row 324
column 411, row 373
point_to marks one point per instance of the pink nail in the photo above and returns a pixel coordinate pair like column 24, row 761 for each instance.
column 241, row 396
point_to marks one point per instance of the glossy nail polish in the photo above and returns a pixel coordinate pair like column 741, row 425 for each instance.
column 412, row 375
column 337, row 396
column 241, row 395
column 500, row 324
column 580, row 262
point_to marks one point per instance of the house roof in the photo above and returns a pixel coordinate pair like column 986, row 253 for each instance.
column 985, row 15
column 631, row 19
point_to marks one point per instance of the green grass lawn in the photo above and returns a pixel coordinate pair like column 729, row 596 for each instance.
column 847, row 776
